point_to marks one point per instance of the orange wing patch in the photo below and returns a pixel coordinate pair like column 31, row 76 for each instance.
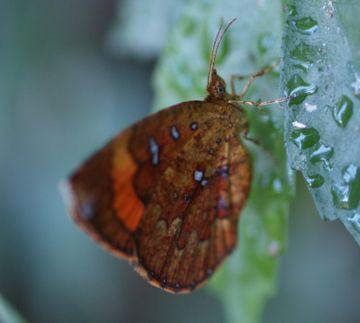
column 127, row 205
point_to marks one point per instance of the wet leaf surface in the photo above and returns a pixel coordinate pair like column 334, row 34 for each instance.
column 321, row 46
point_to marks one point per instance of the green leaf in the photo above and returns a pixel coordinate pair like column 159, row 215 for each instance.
column 8, row 314
column 247, row 279
column 321, row 47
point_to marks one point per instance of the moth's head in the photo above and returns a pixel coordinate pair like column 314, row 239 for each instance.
column 216, row 86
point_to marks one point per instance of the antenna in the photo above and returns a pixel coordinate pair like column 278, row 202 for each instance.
column 218, row 39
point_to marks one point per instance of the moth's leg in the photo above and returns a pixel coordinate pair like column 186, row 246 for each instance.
column 235, row 77
column 244, row 126
column 250, row 80
column 244, row 132
column 237, row 99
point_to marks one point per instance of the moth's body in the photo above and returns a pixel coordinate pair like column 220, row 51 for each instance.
column 167, row 192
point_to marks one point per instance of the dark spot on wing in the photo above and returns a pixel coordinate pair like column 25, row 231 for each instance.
column 194, row 126
column 87, row 211
column 187, row 197
column 222, row 204
column 175, row 196
column 223, row 171
column 211, row 151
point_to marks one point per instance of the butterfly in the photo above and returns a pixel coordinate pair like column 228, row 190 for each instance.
column 166, row 193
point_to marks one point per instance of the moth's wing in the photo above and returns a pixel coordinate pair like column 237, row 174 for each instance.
column 190, row 220
column 109, row 192
column 166, row 193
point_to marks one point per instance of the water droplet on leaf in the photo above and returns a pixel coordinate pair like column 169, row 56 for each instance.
column 315, row 181
column 306, row 25
column 304, row 54
column 355, row 221
column 322, row 153
column 277, row 185
column 343, row 111
column 298, row 125
column 305, row 138
column 356, row 85
column 292, row 11
column 346, row 195
column 299, row 90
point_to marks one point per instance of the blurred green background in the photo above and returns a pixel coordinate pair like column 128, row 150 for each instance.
column 63, row 93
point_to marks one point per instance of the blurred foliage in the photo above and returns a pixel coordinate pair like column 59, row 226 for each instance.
column 140, row 28
column 247, row 279
column 8, row 314
column 321, row 59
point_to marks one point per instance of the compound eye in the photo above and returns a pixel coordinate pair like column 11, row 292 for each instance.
column 221, row 90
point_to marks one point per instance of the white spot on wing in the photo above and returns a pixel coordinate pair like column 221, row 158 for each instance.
column 154, row 150
column 198, row 175
column 175, row 134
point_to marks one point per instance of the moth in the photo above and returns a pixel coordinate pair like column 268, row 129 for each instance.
column 166, row 193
